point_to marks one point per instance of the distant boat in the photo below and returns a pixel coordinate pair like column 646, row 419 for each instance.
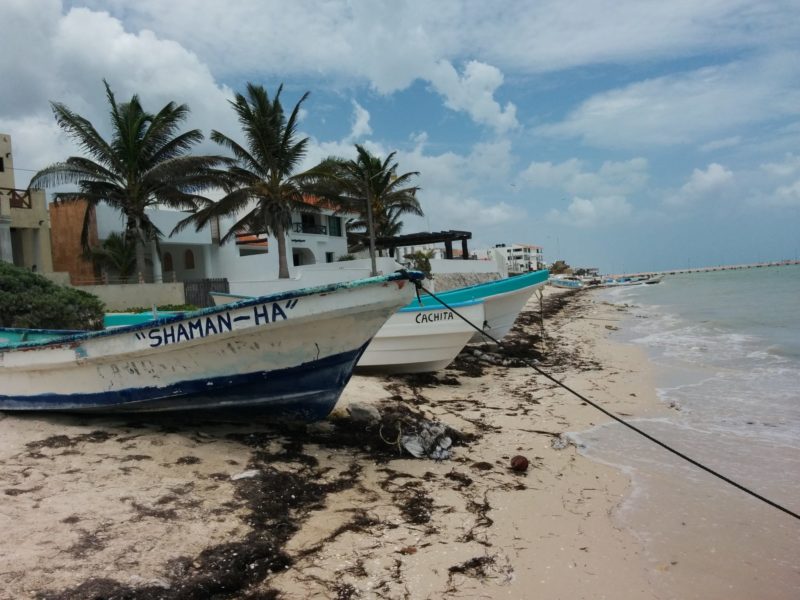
column 627, row 281
column 566, row 281
column 621, row 281
column 288, row 354
column 654, row 279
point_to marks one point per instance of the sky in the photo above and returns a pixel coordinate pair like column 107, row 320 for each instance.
column 627, row 135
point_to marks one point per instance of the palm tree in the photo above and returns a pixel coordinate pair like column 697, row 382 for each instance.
column 117, row 254
column 370, row 188
column 262, row 190
column 145, row 163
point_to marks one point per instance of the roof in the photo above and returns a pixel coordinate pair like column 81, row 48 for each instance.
column 425, row 237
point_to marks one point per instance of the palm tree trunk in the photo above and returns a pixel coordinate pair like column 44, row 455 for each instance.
column 283, row 265
column 140, row 260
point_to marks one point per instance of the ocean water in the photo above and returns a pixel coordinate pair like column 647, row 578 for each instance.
column 726, row 347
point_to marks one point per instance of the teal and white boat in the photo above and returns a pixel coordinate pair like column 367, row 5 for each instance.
column 503, row 300
column 566, row 281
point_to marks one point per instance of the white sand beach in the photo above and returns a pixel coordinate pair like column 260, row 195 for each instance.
column 179, row 508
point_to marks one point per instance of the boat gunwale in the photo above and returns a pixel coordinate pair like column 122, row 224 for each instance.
column 439, row 306
column 81, row 336
column 496, row 287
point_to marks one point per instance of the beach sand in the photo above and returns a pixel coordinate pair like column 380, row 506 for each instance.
column 153, row 507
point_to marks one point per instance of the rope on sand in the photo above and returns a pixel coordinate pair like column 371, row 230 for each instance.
column 615, row 417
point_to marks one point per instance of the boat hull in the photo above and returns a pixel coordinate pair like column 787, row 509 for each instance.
column 569, row 284
column 503, row 300
column 501, row 311
column 421, row 339
column 289, row 354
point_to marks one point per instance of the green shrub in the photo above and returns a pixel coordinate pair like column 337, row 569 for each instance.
column 421, row 261
column 31, row 301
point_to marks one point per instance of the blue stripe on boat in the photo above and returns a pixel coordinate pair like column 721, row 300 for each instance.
column 307, row 392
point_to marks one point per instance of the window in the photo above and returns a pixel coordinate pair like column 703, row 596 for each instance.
column 168, row 262
column 188, row 260
column 335, row 226
column 329, row 257
column 2, row 167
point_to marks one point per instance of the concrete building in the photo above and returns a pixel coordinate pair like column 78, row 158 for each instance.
column 519, row 258
column 24, row 219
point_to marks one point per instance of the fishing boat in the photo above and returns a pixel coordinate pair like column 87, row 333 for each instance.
column 653, row 279
column 422, row 339
column 503, row 300
column 566, row 281
column 288, row 354
column 416, row 339
column 621, row 281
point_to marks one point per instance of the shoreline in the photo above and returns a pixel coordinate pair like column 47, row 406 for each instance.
column 168, row 506
column 703, row 538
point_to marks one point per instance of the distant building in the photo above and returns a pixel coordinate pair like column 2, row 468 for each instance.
column 519, row 258
column 24, row 220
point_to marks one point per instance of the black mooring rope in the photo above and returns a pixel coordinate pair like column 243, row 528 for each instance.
column 618, row 419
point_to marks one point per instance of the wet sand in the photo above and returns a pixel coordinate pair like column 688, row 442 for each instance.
column 153, row 507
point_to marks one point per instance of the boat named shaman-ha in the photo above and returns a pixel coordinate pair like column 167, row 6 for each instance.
column 288, row 354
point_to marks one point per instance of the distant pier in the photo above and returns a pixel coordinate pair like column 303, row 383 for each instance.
column 760, row 265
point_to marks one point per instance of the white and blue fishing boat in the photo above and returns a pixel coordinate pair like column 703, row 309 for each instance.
column 287, row 354
column 416, row 339
column 503, row 300
column 566, row 281
column 422, row 339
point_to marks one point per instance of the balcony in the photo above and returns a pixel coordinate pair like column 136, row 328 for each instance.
column 310, row 228
column 17, row 198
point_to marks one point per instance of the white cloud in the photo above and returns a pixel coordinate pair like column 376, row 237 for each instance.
column 585, row 212
column 711, row 182
column 788, row 195
column 473, row 92
column 702, row 182
column 727, row 142
column 471, row 213
column 688, row 107
column 361, row 125
column 786, row 168
column 571, row 176
column 390, row 43
column 67, row 64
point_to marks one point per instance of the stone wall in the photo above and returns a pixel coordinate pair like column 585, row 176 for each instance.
column 448, row 281
column 133, row 295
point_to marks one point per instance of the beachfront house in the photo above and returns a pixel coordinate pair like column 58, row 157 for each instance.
column 192, row 256
column 519, row 258
column 24, row 219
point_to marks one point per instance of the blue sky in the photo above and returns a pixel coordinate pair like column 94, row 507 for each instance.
column 627, row 135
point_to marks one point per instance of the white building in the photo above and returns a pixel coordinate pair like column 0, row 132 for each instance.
column 314, row 238
column 519, row 258
column 249, row 263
